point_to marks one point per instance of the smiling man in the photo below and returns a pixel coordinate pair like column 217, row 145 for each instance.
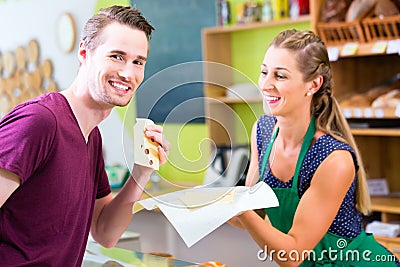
column 53, row 185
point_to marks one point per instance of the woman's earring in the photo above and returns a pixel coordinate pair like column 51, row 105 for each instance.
column 309, row 93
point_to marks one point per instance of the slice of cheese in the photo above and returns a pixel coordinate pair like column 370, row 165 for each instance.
column 146, row 153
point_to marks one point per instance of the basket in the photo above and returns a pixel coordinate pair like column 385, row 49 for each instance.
column 339, row 33
column 387, row 28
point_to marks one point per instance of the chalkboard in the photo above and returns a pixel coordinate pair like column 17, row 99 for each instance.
column 176, row 40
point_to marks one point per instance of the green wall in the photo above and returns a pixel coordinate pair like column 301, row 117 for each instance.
column 189, row 153
column 249, row 47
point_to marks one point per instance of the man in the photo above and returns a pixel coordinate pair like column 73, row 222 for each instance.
column 53, row 185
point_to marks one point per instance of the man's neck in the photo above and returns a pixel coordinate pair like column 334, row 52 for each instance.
column 86, row 114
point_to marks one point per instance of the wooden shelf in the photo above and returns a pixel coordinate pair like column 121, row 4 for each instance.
column 389, row 239
column 254, row 25
column 364, row 49
column 376, row 132
column 371, row 112
column 386, row 204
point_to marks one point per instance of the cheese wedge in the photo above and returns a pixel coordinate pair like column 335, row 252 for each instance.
column 145, row 149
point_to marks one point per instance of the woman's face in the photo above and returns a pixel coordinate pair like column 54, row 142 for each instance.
column 281, row 84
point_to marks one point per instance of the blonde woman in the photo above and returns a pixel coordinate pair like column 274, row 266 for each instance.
column 306, row 153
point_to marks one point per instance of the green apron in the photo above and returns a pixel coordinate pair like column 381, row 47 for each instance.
column 332, row 250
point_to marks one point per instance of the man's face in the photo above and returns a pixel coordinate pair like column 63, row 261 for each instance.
column 115, row 68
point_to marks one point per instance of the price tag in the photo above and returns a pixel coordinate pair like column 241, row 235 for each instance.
column 368, row 113
column 379, row 47
column 397, row 111
column 333, row 53
column 349, row 49
column 347, row 112
column 393, row 47
column 379, row 113
column 378, row 187
column 358, row 113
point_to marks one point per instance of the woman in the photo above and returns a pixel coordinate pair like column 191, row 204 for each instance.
column 306, row 153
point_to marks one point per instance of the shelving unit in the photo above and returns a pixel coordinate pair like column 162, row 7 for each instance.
column 219, row 45
column 379, row 147
column 390, row 211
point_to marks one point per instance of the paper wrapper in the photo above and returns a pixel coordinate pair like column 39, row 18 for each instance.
column 196, row 212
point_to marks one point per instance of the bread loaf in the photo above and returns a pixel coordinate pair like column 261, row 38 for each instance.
column 334, row 10
column 388, row 100
column 359, row 9
column 365, row 99
column 377, row 91
column 357, row 100
column 385, row 8
column 397, row 3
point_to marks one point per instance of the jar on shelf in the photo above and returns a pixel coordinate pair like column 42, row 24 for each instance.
column 224, row 14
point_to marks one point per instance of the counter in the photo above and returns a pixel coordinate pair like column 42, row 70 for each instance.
column 227, row 244
column 98, row 256
column 160, row 188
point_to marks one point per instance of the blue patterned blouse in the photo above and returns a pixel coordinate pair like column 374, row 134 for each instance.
column 347, row 222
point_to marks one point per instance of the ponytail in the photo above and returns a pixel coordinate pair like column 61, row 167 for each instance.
column 331, row 120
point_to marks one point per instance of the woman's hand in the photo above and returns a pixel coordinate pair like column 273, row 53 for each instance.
column 235, row 221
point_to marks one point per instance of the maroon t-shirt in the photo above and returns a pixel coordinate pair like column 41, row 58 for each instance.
column 46, row 221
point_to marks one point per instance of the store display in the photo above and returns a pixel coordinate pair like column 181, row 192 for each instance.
column 384, row 95
column 381, row 27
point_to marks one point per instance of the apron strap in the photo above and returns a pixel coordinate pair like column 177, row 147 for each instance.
column 268, row 152
column 303, row 151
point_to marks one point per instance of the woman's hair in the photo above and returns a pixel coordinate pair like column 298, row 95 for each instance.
column 312, row 60
column 122, row 14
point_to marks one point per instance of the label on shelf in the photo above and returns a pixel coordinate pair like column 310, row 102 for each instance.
column 370, row 112
column 379, row 47
column 379, row 113
column 397, row 111
column 357, row 113
column 333, row 53
column 347, row 113
column 393, row 47
column 378, row 187
column 349, row 49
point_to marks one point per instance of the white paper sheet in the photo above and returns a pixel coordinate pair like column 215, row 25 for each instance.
column 196, row 212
